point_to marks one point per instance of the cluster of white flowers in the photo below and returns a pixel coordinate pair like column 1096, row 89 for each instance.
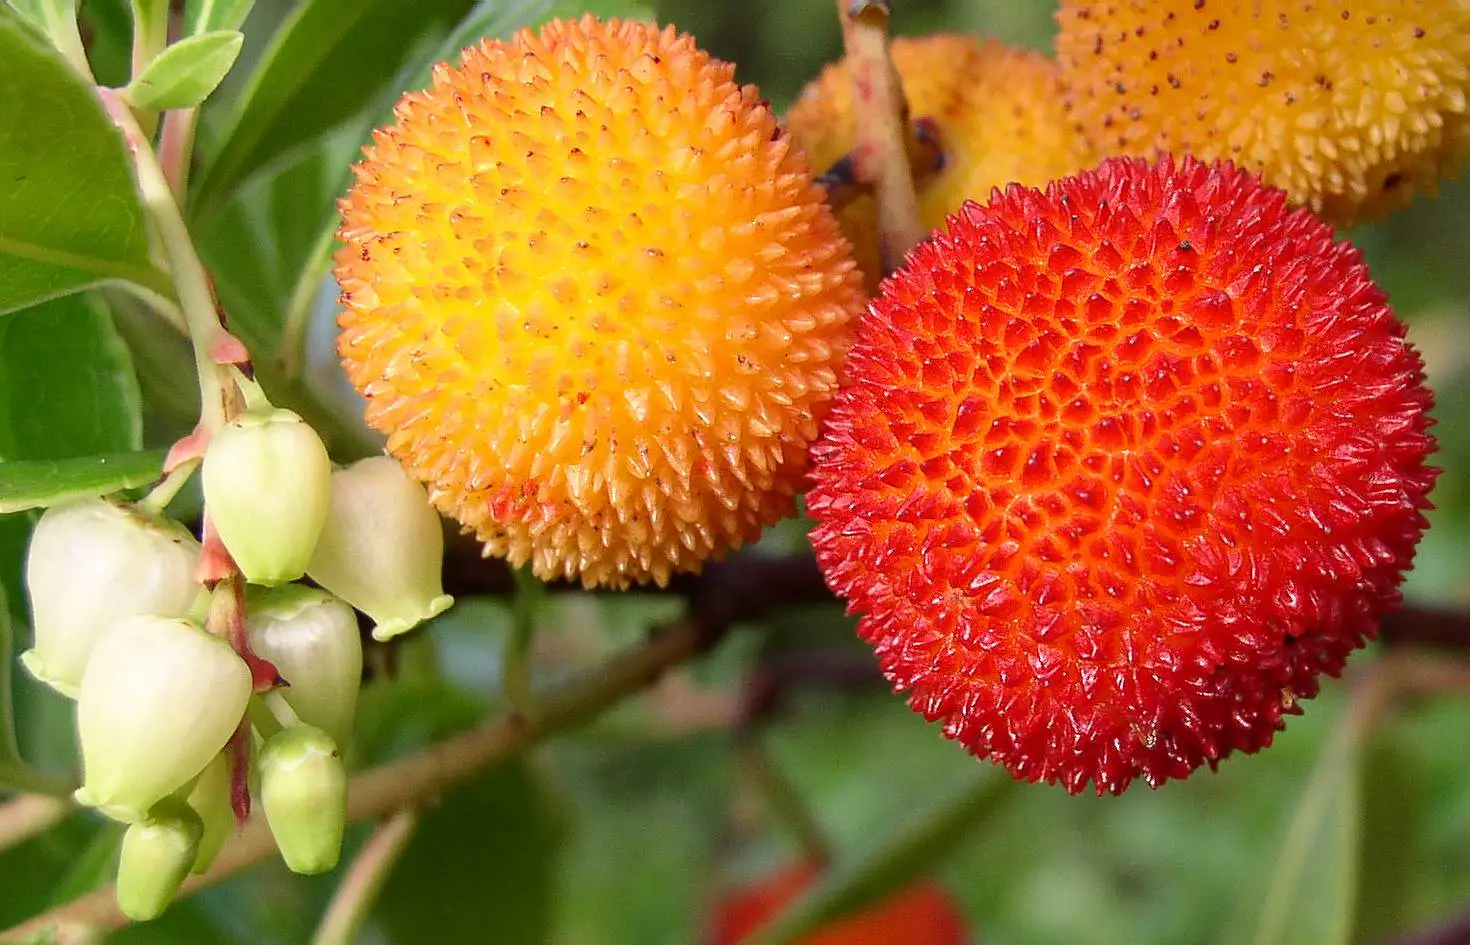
column 120, row 626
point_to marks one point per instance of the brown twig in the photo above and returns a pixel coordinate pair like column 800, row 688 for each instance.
column 24, row 817
column 885, row 139
column 391, row 787
column 365, row 878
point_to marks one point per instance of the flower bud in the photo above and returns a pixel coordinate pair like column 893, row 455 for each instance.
column 210, row 799
column 266, row 477
column 303, row 790
column 382, row 549
column 157, row 854
column 158, row 701
column 312, row 638
column 90, row 564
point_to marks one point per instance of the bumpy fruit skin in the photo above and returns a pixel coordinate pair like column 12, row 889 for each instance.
column 1352, row 107
column 594, row 298
column 1121, row 468
column 997, row 113
column 922, row 914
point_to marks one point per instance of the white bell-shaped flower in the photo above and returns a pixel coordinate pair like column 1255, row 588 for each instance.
column 158, row 701
column 157, row 854
column 303, row 791
column 266, row 477
column 90, row 564
column 312, row 638
column 382, row 549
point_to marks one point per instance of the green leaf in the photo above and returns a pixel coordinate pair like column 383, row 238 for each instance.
column 1312, row 891
column 38, row 484
column 901, row 859
column 69, row 214
column 206, row 16
column 186, row 73
column 67, row 387
column 480, row 868
column 1392, row 825
column 330, row 62
column 44, row 13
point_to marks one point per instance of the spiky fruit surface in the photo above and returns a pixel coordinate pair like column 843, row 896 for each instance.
column 997, row 112
column 595, row 301
column 1352, row 107
column 922, row 914
column 1121, row 468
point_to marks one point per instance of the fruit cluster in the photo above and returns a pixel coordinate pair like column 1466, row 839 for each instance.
column 1115, row 470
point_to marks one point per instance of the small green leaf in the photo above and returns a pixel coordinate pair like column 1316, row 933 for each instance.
column 329, row 62
column 40, row 483
column 67, row 386
column 70, row 216
column 186, row 73
column 903, row 858
column 1312, row 891
column 206, row 16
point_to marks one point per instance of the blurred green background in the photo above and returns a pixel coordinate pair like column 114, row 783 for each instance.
column 621, row 834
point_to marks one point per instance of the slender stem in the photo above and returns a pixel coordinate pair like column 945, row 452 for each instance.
column 29, row 815
column 150, row 32
column 400, row 784
column 884, row 136
column 365, row 879
column 784, row 799
column 517, row 673
column 192, row 282
column 176, row 148
column 162, row 494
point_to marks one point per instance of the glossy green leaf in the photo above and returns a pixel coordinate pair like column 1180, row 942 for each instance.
column 41, row 483
column 187, row 72
column 908, row 855
column 1312, row 891
column 328, row 64
column 69, row 211
column 150, row 28
column 481, row 866
column 67, row 387
column 206, row 16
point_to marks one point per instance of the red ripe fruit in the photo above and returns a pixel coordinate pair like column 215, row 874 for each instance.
column 922, row 914
column 1120, row 468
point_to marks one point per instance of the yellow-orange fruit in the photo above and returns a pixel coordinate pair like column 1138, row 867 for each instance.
column 595, row 300
column 997, row 112
column 1351, row 106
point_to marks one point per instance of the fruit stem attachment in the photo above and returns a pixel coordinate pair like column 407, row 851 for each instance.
column 365, row 879
column 880, row 154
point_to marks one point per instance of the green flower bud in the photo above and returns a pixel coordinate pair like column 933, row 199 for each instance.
column 210, row 799
column 303, row 790
column 382, row 549
column 158, row 701
column 312, row 638
column 266, row 478
column 90, row 564
column 157, row 854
